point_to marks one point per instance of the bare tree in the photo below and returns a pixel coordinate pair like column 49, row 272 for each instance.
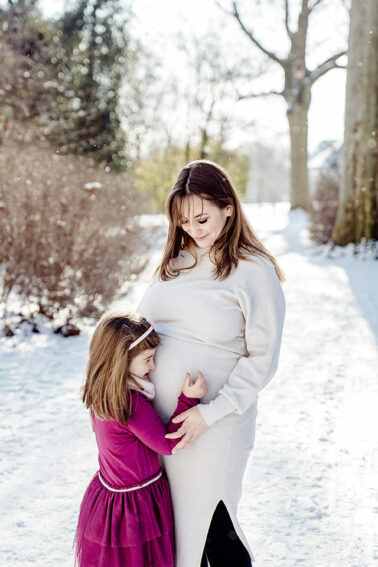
column 297, row 88
column 208, row 96
column 141, row 100
column 358, row 199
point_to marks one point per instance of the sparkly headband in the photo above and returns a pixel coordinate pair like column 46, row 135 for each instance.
column 140, row 339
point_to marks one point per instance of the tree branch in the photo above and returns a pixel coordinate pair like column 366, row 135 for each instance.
column 256, row 95
column 289, row 32
column 313, row 6
column 253, row 39
column 324, row 67
column 223, row 9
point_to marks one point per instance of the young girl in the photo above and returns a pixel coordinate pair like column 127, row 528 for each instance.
column 126, row 514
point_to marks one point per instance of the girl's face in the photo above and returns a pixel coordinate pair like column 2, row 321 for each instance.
column 203, row 220
column 141, row 365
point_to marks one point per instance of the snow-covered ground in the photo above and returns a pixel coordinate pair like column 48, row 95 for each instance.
column 310, row 490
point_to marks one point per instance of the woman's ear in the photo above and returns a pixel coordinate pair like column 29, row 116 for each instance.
column 229, row 210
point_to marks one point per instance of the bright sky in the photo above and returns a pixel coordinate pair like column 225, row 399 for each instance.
column 159, row 21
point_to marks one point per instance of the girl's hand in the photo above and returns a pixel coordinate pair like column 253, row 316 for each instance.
column 193, row 425
column 196, row 389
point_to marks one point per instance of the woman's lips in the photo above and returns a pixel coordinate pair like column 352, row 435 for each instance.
column 201, row 237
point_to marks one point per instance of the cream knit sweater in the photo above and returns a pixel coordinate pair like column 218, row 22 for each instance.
column 231, row 330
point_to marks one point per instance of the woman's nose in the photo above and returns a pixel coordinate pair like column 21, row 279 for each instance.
column 152, row 365
column 197, row 231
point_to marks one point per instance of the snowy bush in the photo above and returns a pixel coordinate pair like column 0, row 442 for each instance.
column 65, row 249
column 324, row 207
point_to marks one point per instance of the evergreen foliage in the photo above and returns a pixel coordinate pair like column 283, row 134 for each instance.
column 95, row 46
column 28, row 77
column 64, row 77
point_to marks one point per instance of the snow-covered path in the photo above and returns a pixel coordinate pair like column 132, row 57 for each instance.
column 314, row 471
column 310, row 491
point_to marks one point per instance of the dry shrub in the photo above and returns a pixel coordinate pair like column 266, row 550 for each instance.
column 64, row 247
column 324, row 207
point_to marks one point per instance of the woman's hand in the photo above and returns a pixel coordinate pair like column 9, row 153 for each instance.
column 196, row 389
column 193, row 425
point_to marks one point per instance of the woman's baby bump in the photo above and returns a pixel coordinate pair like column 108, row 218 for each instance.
column 176, row 357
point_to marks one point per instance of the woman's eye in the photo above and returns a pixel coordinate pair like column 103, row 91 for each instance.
column 202, row 221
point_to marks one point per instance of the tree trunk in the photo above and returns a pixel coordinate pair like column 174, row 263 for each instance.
column 297, row 91
column 204, row 140
column 357, row 213
column 297, row 116
column 298, row 98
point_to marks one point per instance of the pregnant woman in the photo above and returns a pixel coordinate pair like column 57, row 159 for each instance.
column 218, row 306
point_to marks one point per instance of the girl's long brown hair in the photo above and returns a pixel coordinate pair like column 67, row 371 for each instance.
column 107, row 386
column 237, row 241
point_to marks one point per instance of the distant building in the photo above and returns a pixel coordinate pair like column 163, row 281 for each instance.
column 269, row 174
column 326, row 158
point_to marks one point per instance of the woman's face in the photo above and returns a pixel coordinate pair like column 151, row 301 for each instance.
column 203, row 220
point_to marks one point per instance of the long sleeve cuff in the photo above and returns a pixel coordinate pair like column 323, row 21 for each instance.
column 216, row 409
column 190, row 402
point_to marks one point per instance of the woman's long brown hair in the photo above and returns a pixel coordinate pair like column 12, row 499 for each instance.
column 106, row 390
column 237, row 241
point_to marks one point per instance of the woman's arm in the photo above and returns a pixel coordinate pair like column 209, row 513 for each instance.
column 262, row 302
column 263, row 305
column 148, row 427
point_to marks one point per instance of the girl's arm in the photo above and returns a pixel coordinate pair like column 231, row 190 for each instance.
column 149, row 428
column 92, row 420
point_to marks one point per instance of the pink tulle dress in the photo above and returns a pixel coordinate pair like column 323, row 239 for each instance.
column 126, row 515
